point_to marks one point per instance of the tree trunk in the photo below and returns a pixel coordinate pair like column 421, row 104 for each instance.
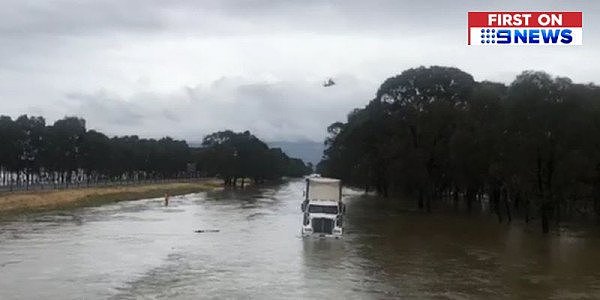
column 495, row 201
column 430, row 194
column 507, row 206
column 385, row 189
column 557, row 209
column 455, row 198
column 428, row 204
column 544, row 213
column 527, row 211
column 470, row 196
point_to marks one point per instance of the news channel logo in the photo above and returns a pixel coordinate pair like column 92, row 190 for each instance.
column 525, row 28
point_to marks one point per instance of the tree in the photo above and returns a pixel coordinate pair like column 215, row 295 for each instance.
column 435, row 132
column 234, row 156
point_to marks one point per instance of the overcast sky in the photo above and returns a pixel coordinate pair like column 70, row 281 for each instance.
column 188, row 68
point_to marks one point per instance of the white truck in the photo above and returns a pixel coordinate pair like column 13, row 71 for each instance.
column 322, row 207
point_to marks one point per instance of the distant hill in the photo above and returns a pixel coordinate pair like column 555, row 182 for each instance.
column 306, row 150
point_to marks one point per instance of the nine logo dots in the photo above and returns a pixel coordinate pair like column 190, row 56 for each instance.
column 488, row 36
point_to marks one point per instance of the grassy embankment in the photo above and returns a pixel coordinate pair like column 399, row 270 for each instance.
column 28, row 201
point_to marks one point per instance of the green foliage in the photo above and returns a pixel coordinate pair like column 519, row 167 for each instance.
column 435, row 131
column 67, row 152
column 232, row 155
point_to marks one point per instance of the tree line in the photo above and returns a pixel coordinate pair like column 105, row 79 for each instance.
column 66, row 153
column 529, row 149
column 237, row 156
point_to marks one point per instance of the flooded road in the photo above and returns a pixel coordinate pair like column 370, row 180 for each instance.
column 141, row 249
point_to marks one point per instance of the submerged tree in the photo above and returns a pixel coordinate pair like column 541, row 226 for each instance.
column 435, row 132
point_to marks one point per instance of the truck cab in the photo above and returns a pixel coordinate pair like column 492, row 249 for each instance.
column 322, row 207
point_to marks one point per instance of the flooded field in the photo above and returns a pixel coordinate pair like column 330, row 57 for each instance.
column 141, row 249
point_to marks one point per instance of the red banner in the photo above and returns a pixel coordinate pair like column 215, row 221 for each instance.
column 525, row 19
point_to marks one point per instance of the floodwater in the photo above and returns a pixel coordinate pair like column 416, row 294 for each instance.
column 141, row 249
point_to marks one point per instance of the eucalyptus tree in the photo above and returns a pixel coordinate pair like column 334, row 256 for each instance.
column 233, row 156
column 530, row 148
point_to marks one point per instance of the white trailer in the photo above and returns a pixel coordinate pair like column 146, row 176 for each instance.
column 322, row 207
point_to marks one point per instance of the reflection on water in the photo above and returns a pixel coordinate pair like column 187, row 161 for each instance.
column 143, row 249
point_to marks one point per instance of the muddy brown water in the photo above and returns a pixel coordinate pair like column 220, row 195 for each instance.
column 141, row 249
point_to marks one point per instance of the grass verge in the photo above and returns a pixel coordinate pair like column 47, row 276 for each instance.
column 30, row 202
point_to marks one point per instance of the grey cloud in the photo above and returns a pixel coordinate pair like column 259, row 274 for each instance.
column 104, row 108
column 218, row 17
column 76, row 17
column 274, row 111
column 288, row 110
column 171, row 116
column 87, row 57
